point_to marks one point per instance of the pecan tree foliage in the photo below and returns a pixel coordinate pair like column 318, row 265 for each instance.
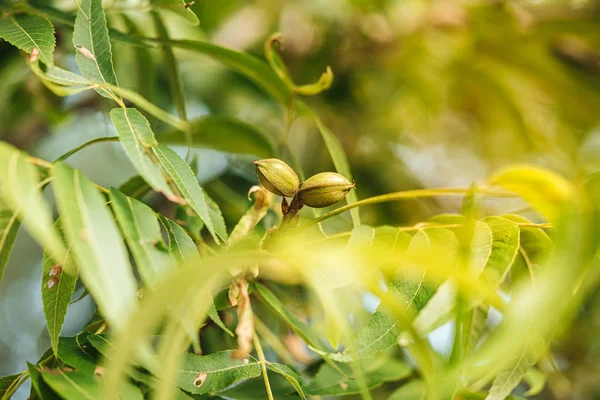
column 273, row 307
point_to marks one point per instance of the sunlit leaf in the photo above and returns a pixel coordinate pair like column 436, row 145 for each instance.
column 77, row 385
column 96, row 242
column 21, row 191
column 507, row 380
column 190, row 189
column 214, row 372
column 141, row 229
column 9, row 225
column 30, row 33
column 544, row 190
column 138, row 141
column 92, row 44
column 536, row 243
column 329, row 381
column 413, row 390
column 224, row 134
column 536, row 380
column 58, row 285
column 505, row 247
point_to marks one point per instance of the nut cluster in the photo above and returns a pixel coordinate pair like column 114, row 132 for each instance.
column 318, row 191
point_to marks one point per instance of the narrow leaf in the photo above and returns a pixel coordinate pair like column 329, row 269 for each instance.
column 7, row 383
column 340, row 161
column 505, row 247
column 39, row 388
column 169, row 63
column 92, row 44
column 96, row 243
column 330, row 382
column 77, row 385
column 253, row 68
column 141, row 229
column 58, row 285
column 138, row 141
column 224, row 134
column 20, row 185
column 303, row 330
column 188, row 185
column 9, row 225
column 291, row 375
column 214, row 372
column 507, row 380
column 30, row 33
column 413, row 390
column 179, row 7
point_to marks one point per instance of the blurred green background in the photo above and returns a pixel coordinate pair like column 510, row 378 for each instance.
column 426, row 94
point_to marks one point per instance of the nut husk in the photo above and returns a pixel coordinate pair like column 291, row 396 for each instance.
column 277, row 177
column 324, row 189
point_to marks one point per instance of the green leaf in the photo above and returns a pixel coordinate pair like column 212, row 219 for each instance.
column 39, row 388
column 381, row 331
column 9, row 225
column 135, row 187
column 58, row 285
column 303, row 330
column 29, row 32
column 181, row 246
column 536, row 380
column 141, row 229
column 535, row 242
column 507, row 380
column 544, row 190
column 413, row 390
column 96, row 242
column 505, row 247
column 138, row 141
column 330, row 382
column 339, row 158
column 7, row 384
column 214, row 372
column 291, row 375
column 92, row 44
column 78, row 352
column 253, row 68
column 178, row 7
column 224, row 134
column 19, row 181
column 188, row 185
column 59, row 76
column 475, row 325
column 169, row 63
column 83, row 386
column 185, row 252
